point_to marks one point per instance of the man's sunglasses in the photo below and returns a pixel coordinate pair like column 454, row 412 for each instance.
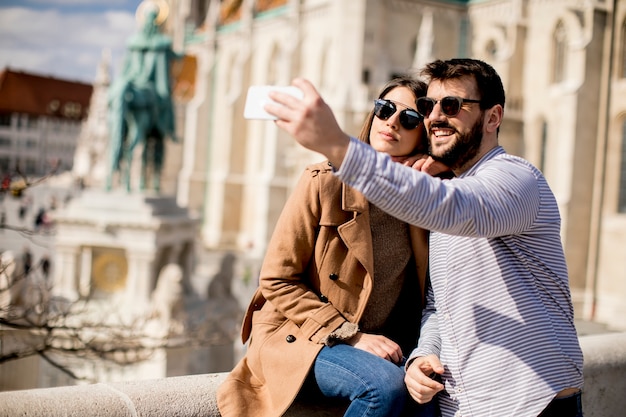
column 450, row 105
column 384, row 109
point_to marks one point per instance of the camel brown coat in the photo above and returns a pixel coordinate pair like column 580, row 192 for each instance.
column 316, row 275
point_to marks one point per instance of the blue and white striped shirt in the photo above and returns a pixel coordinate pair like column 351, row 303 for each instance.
column 499, row 313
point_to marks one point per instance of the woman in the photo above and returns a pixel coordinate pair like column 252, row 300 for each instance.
column 341, row 287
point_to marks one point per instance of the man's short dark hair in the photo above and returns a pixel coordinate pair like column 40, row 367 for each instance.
column 488, row 81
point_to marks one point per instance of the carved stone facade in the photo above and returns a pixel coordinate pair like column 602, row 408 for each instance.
column 562, row 66
column 91, row 150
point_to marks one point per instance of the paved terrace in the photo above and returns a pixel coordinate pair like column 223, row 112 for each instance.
column 194, row 396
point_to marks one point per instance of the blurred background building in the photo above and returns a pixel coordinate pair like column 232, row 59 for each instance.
column 40, row 118
column 563, row 64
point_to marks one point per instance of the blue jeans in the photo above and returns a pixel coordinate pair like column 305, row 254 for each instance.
column 571, row 406
column 374, row 386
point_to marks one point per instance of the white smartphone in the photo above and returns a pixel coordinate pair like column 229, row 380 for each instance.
column 257, row 98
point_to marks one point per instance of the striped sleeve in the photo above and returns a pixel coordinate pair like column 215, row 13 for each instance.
column 503, row 200
column 430, row 339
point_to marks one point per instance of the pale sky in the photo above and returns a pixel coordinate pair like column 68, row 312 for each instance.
column 64, row 38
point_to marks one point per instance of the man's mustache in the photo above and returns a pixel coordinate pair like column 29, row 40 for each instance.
column 440, row 125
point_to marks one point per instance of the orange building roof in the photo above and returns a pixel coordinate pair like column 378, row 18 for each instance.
column 264, row 5
column 37, row 95
column 184, row 78
column 230, row 10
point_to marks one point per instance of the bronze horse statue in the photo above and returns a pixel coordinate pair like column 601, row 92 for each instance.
column 134, row 120
column 141, row 111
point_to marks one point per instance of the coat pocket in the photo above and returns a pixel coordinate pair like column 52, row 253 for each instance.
column 264, row 325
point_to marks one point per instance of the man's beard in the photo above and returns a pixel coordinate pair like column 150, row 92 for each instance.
column 464, row 148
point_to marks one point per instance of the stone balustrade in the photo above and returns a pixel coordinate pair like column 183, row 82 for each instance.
column 186, row 396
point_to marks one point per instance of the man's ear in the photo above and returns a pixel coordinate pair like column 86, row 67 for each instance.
column 494, row 118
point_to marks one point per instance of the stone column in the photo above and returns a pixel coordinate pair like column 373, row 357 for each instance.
column 65, row 272
column 84, row 278
column 140, row 278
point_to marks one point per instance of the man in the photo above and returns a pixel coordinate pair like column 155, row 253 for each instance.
column 498, row 329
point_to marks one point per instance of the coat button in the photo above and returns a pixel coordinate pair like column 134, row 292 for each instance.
column 290, row 339
column 323, row 298
column 333, row 277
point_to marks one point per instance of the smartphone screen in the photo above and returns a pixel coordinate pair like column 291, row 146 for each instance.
column 257, row 98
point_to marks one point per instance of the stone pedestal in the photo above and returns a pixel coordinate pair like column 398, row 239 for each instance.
column 113, row 245
column 123, row 262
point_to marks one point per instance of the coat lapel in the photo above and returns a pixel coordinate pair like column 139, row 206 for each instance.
column 356, row 233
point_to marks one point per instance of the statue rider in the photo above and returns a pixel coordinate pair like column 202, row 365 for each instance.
column 141, row 110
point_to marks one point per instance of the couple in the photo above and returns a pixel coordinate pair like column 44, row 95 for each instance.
column 335, row 298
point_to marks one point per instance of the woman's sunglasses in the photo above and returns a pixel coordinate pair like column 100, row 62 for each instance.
column 384, row 109
column 450, row 106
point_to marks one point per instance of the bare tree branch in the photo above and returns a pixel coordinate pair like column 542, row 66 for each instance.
column 34, row 322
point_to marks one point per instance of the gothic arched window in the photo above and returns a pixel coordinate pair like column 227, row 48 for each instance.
column 621, row 203
column 622, row 51
column 544, row 146
column 491, row 48
column 559, row 45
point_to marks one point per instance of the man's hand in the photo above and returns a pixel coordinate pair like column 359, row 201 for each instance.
column 377, row 345
column 426, row 164
column 310, row 121
column 418, row 378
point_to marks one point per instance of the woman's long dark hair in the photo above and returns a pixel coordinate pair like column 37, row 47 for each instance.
column 419, row 90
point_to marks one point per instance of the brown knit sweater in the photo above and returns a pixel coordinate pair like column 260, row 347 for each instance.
column 392, row 253
column 391, row 245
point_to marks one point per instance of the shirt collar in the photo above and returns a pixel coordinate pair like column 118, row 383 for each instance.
column 498, row 150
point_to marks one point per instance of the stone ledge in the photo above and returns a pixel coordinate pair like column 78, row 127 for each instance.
column 194, row 395
column 181, row 396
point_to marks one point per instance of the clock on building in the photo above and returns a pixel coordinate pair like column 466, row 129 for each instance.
column 109, row 270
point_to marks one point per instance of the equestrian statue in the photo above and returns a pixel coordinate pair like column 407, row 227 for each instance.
column 141, row 111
